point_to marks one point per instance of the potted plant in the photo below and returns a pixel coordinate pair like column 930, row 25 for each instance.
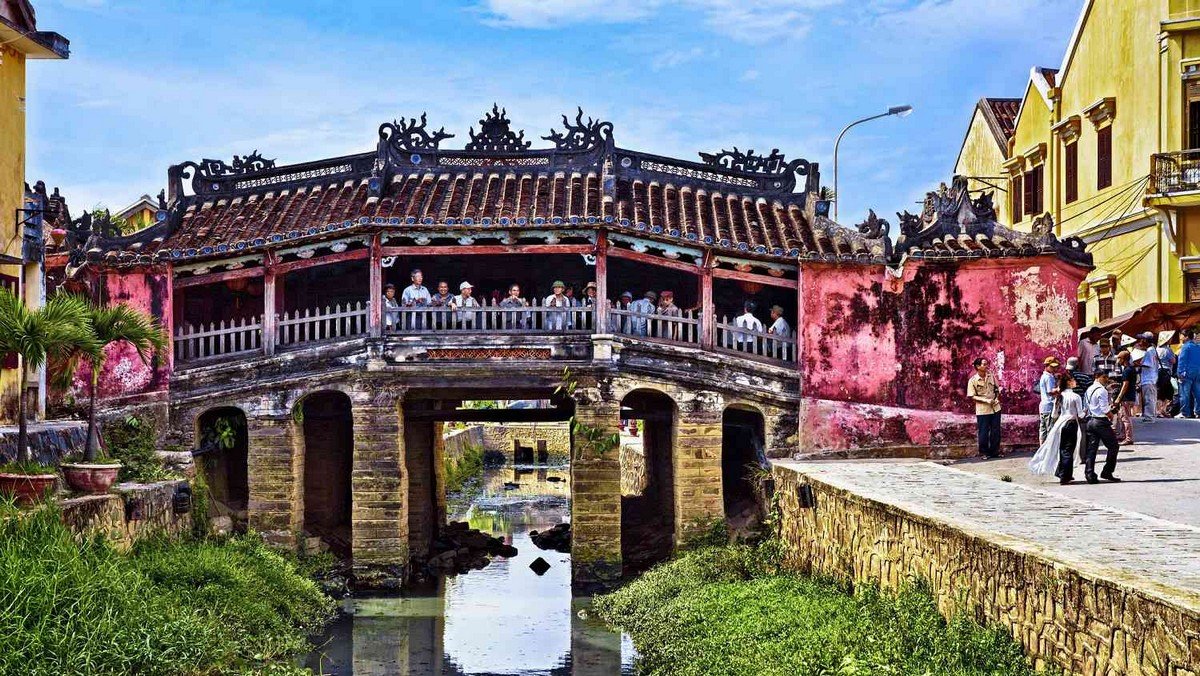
column 35, row 335
column 109, row 325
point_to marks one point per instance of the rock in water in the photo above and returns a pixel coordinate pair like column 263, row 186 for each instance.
column 539, row 566
column 556, row 539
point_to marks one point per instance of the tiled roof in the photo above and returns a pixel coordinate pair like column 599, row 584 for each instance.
column 1001, row 115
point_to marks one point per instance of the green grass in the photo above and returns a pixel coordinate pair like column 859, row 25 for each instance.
column 192, row 607
column 730, row 610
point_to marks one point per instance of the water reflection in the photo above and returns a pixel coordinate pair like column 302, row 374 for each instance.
column 504, row 619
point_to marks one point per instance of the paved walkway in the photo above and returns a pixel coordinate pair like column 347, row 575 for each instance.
column 1160, row 473
column 1160, row 556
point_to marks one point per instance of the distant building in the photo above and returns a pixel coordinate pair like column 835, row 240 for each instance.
column 21, row 211
column 141, row 214
column 1108, row 145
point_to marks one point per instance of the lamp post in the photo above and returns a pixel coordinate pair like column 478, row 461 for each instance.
column 900, row 111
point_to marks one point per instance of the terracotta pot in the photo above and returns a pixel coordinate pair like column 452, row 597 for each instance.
column 90, row 478
column 27, row 488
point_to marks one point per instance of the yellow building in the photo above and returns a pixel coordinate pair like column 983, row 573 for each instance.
column 141, row 214
column 20, row 239
column 1108, row 144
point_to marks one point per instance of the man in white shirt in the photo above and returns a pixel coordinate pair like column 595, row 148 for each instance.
column 1148, row 376
column 557, row 319
column 646, row 305
column 462, row 301
column 1047, row 394
column 747, row 320
column 1099, row 406
column 415, row 295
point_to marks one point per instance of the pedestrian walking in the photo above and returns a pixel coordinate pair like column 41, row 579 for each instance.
column 1066, row 439
column 1148, row 367
column 1047, row 389
column 1127, row 389
column 1100, row 410
column 1188, row 370
column 1166, row 374
column 983, row 391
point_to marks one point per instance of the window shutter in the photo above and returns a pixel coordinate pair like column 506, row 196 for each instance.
column 1071, row 186
column 1106, row 308
column 1030, row 195
column 1103, row 158
column 1017, row 195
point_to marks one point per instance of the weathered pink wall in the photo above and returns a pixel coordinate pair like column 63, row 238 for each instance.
column 125, row 375
column 903, row 346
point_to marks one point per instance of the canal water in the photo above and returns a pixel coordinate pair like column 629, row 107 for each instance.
column 503, row 619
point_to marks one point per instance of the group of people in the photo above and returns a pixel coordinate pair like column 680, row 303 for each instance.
column 1092, row 399
column 635, row 319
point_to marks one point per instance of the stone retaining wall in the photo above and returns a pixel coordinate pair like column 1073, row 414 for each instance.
column 458, row 441
column 130, row 513
column 500, row 438
column 1084, row 621
column 49, row 441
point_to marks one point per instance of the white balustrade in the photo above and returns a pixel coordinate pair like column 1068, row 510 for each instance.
column 683, row 329
column 491, row 317
column 218, row 339
column 315, row 325
column 763, row 344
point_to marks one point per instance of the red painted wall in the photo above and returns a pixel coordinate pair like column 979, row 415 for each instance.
column 905, row 344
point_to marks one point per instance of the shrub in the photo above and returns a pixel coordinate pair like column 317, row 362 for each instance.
column 133, row 441
column 81, row 607
column 730, row 610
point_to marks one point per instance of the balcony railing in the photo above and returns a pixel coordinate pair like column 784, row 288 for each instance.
column 1175, row 172
column 241, row 337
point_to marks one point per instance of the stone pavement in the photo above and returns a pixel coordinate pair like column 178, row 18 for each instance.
column 1160, row 473
column 1160, row 557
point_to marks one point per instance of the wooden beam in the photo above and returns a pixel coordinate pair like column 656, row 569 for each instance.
column 270, row 317
column 488, row 249
column 602, row 282
column 768, row 280
column 216, row 277
column 353, row 255
column 499, row 415
column 708, row 310
column 649, row 259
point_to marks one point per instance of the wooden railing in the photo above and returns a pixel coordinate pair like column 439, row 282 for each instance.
column 749, row 342
column 240, row 337
column 218, row 339
column 535, row 317
column 1175, row 172
column 332, row 323
column 684, row 329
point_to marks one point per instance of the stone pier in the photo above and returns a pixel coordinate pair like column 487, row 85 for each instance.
column 595, row 491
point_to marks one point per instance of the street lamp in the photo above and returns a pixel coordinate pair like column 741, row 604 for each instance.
column 899, row 111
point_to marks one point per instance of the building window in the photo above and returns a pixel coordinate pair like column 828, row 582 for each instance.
column 1103, row 158
column 1033, row 191
column 1081, row 313
column 1017, row 194
column 1191, row 283
column 1071, row 160
column 1105, row 308
column 1193, row 115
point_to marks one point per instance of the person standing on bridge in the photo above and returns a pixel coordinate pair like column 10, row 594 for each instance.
column 391, row 308
column 1100, row 409
column 415, row 295
column 668, row 308
column 745, row 340
column 983, row 391
column 556, row 319
column 640, row 325
column 512, row 319
column 463, row 303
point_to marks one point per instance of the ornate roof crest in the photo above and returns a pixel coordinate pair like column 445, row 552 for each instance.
column 252, row 163
column 495, row 135
column 748, row 161
column 409, row 135
column 580, row 135
column 874, row 227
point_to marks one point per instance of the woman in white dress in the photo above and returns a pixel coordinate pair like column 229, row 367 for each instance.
column 1066, row 438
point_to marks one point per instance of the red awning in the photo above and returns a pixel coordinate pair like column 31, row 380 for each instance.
column 1155, row 317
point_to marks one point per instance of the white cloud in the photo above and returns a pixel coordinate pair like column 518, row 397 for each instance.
column 751, row 21
column 676, row 57
column 750, row 75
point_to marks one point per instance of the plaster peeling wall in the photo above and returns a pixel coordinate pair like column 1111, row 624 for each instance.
column 125, row 375
column 886, row 359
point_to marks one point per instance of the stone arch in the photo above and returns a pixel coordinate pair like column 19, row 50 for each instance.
column 325, row 421
column 296, row 397
column 222, row 440
column 647, row 477
column 743, row 456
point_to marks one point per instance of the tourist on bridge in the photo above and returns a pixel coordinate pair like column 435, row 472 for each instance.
column 620, row 323
column 589, row 295
column 1188, row 370
column 514, row 300
column 983, row 391
column 1100, row 409
column 1067, row 437
column 415, row 295
column 1105, row 359
column 779, row 325
column 391, row 307
column 443, row 296
column 1148, row 367
column 556, row 320
column 463, row 302
column 1047, row 389
column 1088, row 349
column 668, row 308
column 747, row 320
column 645, row 305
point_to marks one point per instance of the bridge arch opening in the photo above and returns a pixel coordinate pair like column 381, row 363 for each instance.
column 223, row 449
column 743, row 460
column 328, row 459
column 647, row 479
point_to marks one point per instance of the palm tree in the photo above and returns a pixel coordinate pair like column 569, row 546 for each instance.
column 38, row 334
column 826, row 193
column 108, row 325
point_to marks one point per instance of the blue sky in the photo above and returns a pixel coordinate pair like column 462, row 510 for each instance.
column 153, row 83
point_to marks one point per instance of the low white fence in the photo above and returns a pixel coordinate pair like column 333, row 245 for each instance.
column 684, row 329
column 332, row 323
column 733, row 338
column 218, row 339
column 491, row 317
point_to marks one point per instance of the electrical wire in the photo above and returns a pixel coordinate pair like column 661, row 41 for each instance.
column 1138, row 183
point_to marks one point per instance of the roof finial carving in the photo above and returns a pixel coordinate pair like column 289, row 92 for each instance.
column 410, row 135
column 494, row 134
column 748, row 161
column 580, row 135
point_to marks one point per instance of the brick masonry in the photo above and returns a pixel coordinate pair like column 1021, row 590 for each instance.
column 107, row 514
column 1091, row 589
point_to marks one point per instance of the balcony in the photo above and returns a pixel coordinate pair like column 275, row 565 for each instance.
column 1175, row 172
column 516, row 327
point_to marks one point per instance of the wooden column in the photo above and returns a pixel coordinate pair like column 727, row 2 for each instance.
column 601, row 282
column 375, row 263
column 270, row 321
column 168, row 318
column 708, row 312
